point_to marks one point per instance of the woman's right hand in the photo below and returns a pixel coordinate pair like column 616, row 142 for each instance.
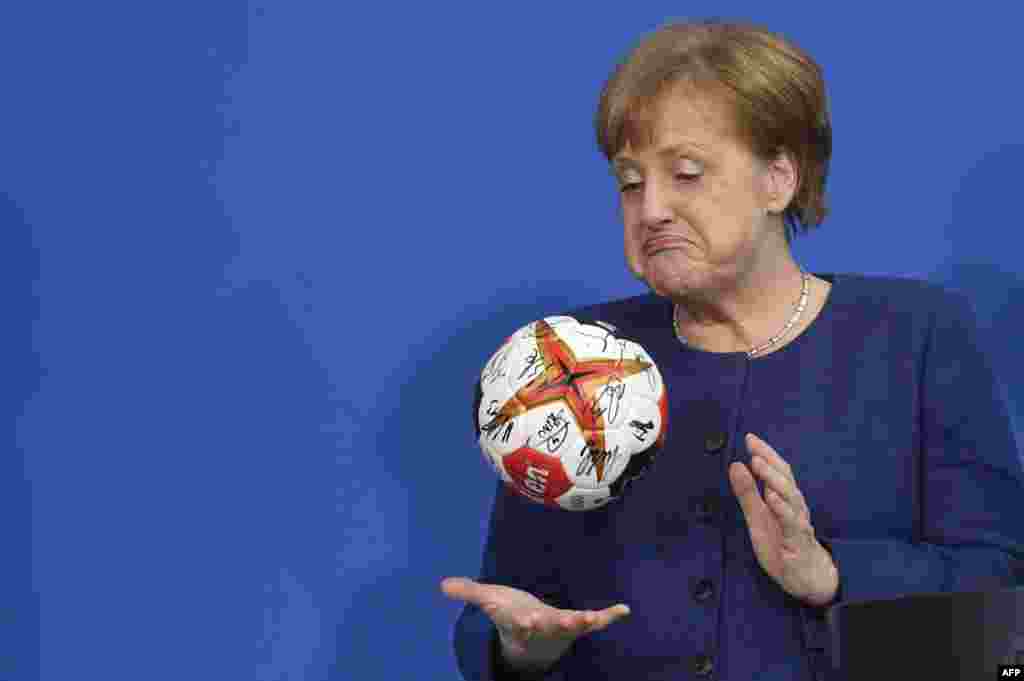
column 534, row 635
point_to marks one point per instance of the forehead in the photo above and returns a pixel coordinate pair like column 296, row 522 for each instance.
column 683, row 120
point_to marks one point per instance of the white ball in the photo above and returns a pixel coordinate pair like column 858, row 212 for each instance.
column 568, row 414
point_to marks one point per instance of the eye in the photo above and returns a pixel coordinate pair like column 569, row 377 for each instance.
column 682, row 177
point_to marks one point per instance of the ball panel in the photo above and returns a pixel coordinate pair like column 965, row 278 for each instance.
column 537, row 476
column 599, row 343
column 493, row 398
column 576, row 462
column 527, row 364
column 478, row 396
column 504, row 429
column 663, row 410
column 638, row 466
column 558, row 322
column 621, row 446
column 503, row 372
column 592, row 343
column 604, row 395
column 599, row 461
column 643, row 426
column 647, row 381
column 551, row 429
column 579, row 499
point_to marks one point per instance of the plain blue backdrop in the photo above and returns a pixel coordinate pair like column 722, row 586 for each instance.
column 254, row 253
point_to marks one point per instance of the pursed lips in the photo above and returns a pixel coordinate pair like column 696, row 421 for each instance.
column 660, row 243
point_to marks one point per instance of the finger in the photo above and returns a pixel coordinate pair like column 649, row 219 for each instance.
column 744, row 486
column 794, row 521
column 773, row 479
column 604, row 618
column 789, row 521
column 573, row 622
column 525, row 627
column 757, row 446
column 617, row 612
column 782, row 484
column 561, row 623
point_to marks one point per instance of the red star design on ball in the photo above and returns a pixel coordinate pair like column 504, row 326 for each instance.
column 576, row 383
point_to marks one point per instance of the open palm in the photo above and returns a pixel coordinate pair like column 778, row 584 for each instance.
column 780, row 526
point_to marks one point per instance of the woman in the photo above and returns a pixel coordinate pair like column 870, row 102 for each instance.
column 862, row 406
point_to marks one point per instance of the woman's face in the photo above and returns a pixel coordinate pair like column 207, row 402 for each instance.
column 694, row 205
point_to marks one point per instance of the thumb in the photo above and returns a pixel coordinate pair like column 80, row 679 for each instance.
column 461, row 589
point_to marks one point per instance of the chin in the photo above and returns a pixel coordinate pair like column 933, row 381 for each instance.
column 669, row 278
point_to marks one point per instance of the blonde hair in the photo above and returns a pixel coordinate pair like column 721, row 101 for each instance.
column 774, row 89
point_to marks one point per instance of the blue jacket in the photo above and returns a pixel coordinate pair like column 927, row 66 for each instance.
column 888, row 411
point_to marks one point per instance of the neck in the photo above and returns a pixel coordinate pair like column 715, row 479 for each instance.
column 747, row 313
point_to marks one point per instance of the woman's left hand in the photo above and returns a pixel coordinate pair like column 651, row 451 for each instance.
column 780, row 526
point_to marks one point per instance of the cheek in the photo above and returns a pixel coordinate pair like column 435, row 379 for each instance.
column 633, row 241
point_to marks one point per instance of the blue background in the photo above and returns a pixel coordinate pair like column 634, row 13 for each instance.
column 254, row 253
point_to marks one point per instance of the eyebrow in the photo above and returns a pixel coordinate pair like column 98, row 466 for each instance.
column 671, row 150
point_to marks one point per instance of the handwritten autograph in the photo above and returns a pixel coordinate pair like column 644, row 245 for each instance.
column 498, row 426
column 496, row 429
column 591, row 456
column 495, row 368
column 605, row 338
column 608, row 400
column 535, row 365
column 640, row 429
column 553, row 432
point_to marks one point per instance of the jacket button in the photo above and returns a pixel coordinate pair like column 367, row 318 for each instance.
column 714, row 442
column 703, row 590
column 703, row 665
column 704, row 510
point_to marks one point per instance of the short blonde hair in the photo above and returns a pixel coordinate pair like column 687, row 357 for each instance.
column 774, row 89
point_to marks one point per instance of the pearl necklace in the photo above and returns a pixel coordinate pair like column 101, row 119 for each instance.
column 775, row 339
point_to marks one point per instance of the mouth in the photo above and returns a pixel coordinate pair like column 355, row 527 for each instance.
column 664, row 243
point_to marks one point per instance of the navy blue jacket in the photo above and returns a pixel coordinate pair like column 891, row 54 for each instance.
column 888, row 411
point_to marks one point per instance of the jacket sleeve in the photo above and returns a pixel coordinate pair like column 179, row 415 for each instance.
column 521, row 552
column 970, row 485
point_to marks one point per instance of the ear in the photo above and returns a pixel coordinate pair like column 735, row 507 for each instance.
column 783, row 179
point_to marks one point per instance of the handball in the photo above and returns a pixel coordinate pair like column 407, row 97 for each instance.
column 569, row 413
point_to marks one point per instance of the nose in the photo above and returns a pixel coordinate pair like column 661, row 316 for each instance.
column 654, row 209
